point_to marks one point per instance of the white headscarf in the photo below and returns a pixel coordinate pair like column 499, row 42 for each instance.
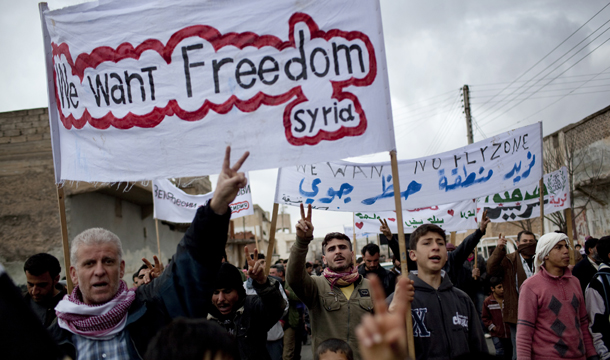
column 545, row 245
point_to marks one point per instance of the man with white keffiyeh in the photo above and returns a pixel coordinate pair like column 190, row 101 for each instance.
column 103, row 319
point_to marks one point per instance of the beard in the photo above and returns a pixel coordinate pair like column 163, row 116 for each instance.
column 341, row 268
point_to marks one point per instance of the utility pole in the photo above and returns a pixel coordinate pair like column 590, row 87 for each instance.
column 467, row 112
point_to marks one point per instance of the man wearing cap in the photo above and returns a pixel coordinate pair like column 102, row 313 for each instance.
column 552, row 321
column 247, row 317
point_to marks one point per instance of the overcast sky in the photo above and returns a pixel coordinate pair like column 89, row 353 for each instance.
column 433, row 49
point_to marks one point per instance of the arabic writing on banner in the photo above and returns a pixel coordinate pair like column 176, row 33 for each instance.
column 349, row 231
column 281, row 78
column 524, row 203
column 451, row 217
column 173, row 204
column 503, row 162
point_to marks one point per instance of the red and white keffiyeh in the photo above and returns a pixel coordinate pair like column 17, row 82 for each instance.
column 341, row 278
column 99, row 321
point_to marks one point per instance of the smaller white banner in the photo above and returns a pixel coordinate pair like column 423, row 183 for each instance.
column 349, row 231
column 451, row 217
column 173, row 204
column 524, row 203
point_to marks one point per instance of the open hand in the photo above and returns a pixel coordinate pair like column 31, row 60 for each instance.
column 256, row 267
column 304, row 226
column 229, row 183
column 383, row 336
column 385, row 229
column 501, row 241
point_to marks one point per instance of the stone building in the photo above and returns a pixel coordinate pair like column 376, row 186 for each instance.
column 29, row 213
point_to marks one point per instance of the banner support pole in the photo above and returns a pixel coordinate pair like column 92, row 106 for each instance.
column 355, row 246
column 271, row 245
column 541, row 187
column 158, row 241
column 568, row 217
column 402, row 248
column 64, row 234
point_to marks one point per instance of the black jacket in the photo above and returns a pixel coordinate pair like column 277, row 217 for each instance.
column 184, row 289
column 387, row 278
column 49, row 315
column 445, row 322
column 584, row 272
column 253, row 317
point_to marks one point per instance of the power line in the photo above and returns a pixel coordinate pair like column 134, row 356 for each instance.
column 555, row 48
column 439, row 139
column 555, row 84
column 430, row 98
column 520, row 81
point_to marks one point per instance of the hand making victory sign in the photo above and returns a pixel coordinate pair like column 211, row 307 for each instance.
column 385, row 229
column 152, row 272
column 229, row 183
column 304, row 226
column 256, row 268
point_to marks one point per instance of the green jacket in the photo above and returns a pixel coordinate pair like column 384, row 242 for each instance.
column 332, row 314
column 293, row 312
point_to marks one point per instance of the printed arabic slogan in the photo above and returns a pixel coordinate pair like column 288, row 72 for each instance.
column 143, row 90
column 451, row 217
column 524, row 203
column 173, row 204
column 503, row 162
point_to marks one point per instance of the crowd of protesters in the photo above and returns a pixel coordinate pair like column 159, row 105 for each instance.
column 531, row 303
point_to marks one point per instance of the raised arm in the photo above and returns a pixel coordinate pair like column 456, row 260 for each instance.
column 494, row 263
column 270, row 303
column 299, row 280
column 462, row 251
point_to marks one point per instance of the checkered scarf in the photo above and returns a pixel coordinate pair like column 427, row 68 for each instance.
column 342, row 278
column 98, row 322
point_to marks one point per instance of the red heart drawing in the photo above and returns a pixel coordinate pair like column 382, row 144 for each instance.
column 359, row 225
column 450, row 212
column 391, row 219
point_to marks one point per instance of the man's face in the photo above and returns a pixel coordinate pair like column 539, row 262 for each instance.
column 139, row 280
column 274, row 272
column 42, row 287
column 225, row 299
column 559, row 256
column 98, row 272
column 430, row 253
column 593, row 252
column 371, row 262
column 309, row 269
column 527, row 239
column 338, row 256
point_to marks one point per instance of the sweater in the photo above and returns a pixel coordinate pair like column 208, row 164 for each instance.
column 493, row 319
column 553, row 321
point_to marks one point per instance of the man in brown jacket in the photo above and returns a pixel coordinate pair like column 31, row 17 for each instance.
column 514, row 268
column 338, row 298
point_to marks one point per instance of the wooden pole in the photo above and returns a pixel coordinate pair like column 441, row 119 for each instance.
column 568, row 217
column 271, row 238
column 402, row 249
column 541, row 186
column 256, row 241
column 158, row 241
column 355, row 245
column 452, row 238
column 64, row 235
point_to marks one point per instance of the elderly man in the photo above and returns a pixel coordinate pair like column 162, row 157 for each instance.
column 338, row 299
column 44, row 290
column 103, row 319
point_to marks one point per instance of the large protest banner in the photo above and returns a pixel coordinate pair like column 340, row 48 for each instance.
column 157, row 89
column 173, row 204
column 451, row 217
column 524, row 203
column 499, row 163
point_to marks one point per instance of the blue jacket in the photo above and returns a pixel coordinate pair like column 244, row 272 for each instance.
column 184, row 289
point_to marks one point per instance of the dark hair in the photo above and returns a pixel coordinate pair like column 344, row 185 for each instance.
column 336, row 346
column 495, row 281
column 279, row 268
column 261, row 256
column 577, row 245
column 359, row 260
column 603, row 249
column 137, row 273
column 41, row 263
column 191, row 339
column 308, row 265
column 589, row 244
column 525, row 232
column 423, row 230
column 371, row 248
column 229, row 277
column 280, row 261
column 335, row 235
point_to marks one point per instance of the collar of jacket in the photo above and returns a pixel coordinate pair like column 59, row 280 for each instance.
column 419, row 284
column 567, row 273
column 216, row 315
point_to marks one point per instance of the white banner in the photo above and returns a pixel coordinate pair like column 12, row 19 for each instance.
column 451, row 217
column 349, row 231
column 173, row 204
column 524, row 203
column 503, row 162
column 157, row 89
